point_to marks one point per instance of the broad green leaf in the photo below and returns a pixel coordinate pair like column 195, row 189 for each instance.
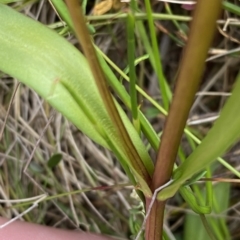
column 45, row 62
column 224, row 133
column 58, row 72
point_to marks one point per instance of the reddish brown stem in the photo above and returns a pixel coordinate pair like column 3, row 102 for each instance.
column 85, row 40
column 191, row 68
column 155, row 221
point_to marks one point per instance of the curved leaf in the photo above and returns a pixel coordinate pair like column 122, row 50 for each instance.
column 58, row 72
column 224, row 133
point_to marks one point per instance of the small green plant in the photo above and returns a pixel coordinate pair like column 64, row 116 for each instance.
column 79, row 89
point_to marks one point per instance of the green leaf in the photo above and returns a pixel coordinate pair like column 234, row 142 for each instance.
column 193, row 223
column 54, row 160
column 224, row 133
column 233, row 8
column 58, row 72
column 45, row 62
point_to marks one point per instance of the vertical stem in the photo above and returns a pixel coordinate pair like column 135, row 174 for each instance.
column 158, row 65
column 85, row 40
column 188, row 79
column 191, row 68
column 132, row 73
column 155, row 222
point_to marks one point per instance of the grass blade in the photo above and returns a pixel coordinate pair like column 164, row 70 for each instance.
column 224, row 133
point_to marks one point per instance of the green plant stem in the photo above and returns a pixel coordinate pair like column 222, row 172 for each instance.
column 62, row 10
column 209, row 189
column 175, row 22
column 85, row 40
column 140, row 16
column 132, row 73
column 191, row 68
column 158, row 65
column 206, row 225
